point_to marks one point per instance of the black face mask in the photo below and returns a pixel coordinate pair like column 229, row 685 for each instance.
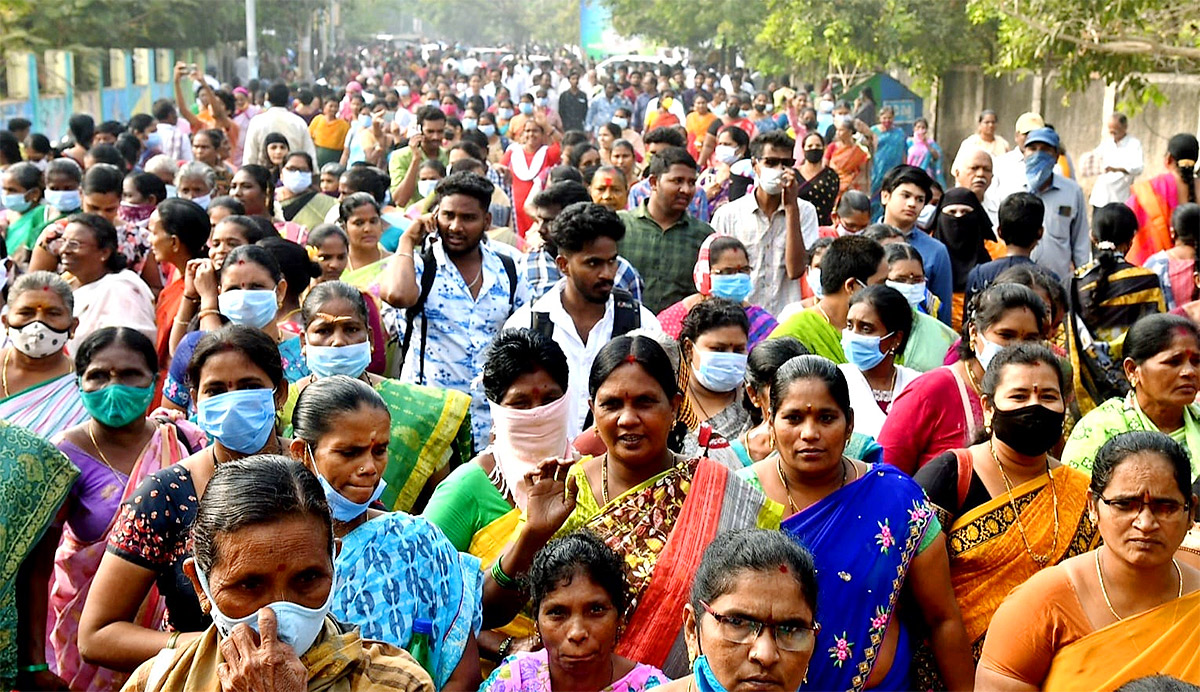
column 813, row 155
column 393, row 105
column 1030, row 430
column 760, row 107
column 810, row 126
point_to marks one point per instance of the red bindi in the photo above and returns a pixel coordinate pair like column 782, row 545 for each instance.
column 608, row 181
column 630, row 359
column 241, row 261
column 783, row 569
column 45, row 288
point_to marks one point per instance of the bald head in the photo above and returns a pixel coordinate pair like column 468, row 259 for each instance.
column 975, row 173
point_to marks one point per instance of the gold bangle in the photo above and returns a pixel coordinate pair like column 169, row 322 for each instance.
column 182, row 322
column 172, row 640
column 210, row 311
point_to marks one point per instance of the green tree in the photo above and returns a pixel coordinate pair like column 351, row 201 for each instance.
column 1120, row 41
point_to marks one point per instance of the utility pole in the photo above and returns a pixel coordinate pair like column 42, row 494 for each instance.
column 252, row 40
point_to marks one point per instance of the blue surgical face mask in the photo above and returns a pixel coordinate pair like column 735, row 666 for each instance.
column 720, row 371
column 1039, row 168
column 296, row 181
column 862, row 351
column 504, row 113
column 16, row 202
column 814, row 281
column 342, row 508
column 203, row 201
column 405, row 90
column 706, row 679
column 297, row 626
column 63, row 200
column 351, row 360
column 364, row 121
column 913, row 293
column 470, row 124
column 735, row 287
column 172, row 191
column 526, row 108
column 621, row 122
column 252, row 308
column 990, row 349
column 426, row 187
column 153, row 141
column 242, row 420
column 488, row 130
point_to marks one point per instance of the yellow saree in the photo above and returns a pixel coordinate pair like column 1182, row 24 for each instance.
column 488, row 545
column 1164, row 640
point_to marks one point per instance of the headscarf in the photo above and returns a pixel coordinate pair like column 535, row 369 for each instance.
column 963, row 236
column 702, row 272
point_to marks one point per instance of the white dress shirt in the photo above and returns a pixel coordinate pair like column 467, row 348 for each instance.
column 279, row 120
column 1113, row 186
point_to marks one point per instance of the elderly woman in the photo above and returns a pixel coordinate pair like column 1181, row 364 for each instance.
column 940, row 410
column 40, row 391
column 1007, row 507
column 237, row 379
column 873, row 536
column 750, row 582
column 1120, row 612
column 196, row 182
column 1162, row 364
column 263, row 566
column 342, row 429
column 206, row 149
column 106, row 293
column 634, row 394
column 578, row 592
column 722, row 271
column 114, row 451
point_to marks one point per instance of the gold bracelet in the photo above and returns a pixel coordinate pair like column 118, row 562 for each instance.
column 182, row 322
column 210, row 311
column 172, row 640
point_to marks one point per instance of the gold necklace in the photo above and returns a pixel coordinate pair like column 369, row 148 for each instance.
column 787, row 489
column 1041, row 560
column 604, row 480
column 1104, row 591
column 971, row 378
column 103, row 458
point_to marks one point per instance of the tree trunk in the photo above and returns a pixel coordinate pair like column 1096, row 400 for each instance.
column 304, row 63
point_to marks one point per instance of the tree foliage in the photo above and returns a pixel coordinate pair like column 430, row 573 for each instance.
column 495, row 22
column 1118, row 40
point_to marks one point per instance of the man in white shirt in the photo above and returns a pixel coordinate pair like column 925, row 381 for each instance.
column 279, row 119
column 1008, row 170
column 583, row 312
column 1122, row 160
column 773, row 223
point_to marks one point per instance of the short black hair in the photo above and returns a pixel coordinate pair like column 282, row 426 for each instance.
column 710, row 314
column 849, row 257
column 366, row 179
column 278, row 94
column 562, row 195
column 579, row 553
column 469, row 184
column 18, row 124
column 1021, row 217
column 432, row 113
column 139, row 122
column 110, row 127
column 664, row 135
column 662, row 162
column 853, row 201
column 774, row 138
column 905, row 174
column 517, row 352
column 163, row 109
column 185, row 220
column 581, row 223
column 148, row 184
column 470, row 149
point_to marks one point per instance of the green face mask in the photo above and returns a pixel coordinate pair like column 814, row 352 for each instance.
column 118, row 405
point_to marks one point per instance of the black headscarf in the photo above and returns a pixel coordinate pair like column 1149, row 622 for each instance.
column 964, row 235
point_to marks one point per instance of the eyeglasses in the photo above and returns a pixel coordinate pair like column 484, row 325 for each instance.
column 1133, row 506
column 73, row 245
column 772, row 162
column 739, row 630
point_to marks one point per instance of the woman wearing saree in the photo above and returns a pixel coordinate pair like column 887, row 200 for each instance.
column 1162, row 365
column 299, row 199
column 848, row 159
column 941, row 410
column 873, row 537
column 654, row 507
column 1176, row 266
column 40, row 391
column 34, row 481
column 924, row 153
column 1125, row 610
column 430, row 429
column 1154, row 200
column 482, row 505
column 342, row 430
column 359, row 215
column 1109, row 294
column 115, row 451
column 1009, row 509
column 891, row 150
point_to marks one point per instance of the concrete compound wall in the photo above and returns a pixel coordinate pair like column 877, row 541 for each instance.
column 1081, row 122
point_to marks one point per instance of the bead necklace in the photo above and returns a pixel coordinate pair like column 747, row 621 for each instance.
column 1041, row 560
column 1104, row 591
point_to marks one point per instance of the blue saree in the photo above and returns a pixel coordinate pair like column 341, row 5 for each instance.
column 397, row 568
column 863, row 538
column 891, row 150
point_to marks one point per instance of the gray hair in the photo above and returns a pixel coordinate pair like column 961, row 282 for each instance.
column 161, row 166
column 43, row 281
column 196, row 169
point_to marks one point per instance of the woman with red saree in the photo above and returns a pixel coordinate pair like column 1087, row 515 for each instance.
column 1155, row 199
column 1123, row 611
column 655, row 508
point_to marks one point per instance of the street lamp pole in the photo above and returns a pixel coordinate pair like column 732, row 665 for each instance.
column 252, row 38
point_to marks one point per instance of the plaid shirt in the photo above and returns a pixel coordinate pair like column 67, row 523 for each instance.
column 640, row 192
column 664, row 257
column 542, row 273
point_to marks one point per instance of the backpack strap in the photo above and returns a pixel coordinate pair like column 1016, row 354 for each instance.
column 428, row 276
column 510, row 268
column 540, row 322
column 627, row 314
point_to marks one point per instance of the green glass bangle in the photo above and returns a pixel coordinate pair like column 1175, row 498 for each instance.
column 502, row 579
column 35, row 668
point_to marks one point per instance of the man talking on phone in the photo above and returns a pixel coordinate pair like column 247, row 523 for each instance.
column 404, row 164
column 457, row 293
column 774, row 224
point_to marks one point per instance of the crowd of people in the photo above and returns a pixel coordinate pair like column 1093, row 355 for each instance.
column 528, row 377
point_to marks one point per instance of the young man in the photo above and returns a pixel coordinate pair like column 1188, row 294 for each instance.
column 279, row 119
column 585, row 310
column 460, row 310
column 662, row 240
column 773, row 223
column 427, row 144
column 573, row 105
column 850, row 264
column 1021, row 218
column 540, row 267
column 903, row 193
column 656, row 140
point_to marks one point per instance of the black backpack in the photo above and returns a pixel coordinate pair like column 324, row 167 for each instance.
column 627, row 316
column 428, row 276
